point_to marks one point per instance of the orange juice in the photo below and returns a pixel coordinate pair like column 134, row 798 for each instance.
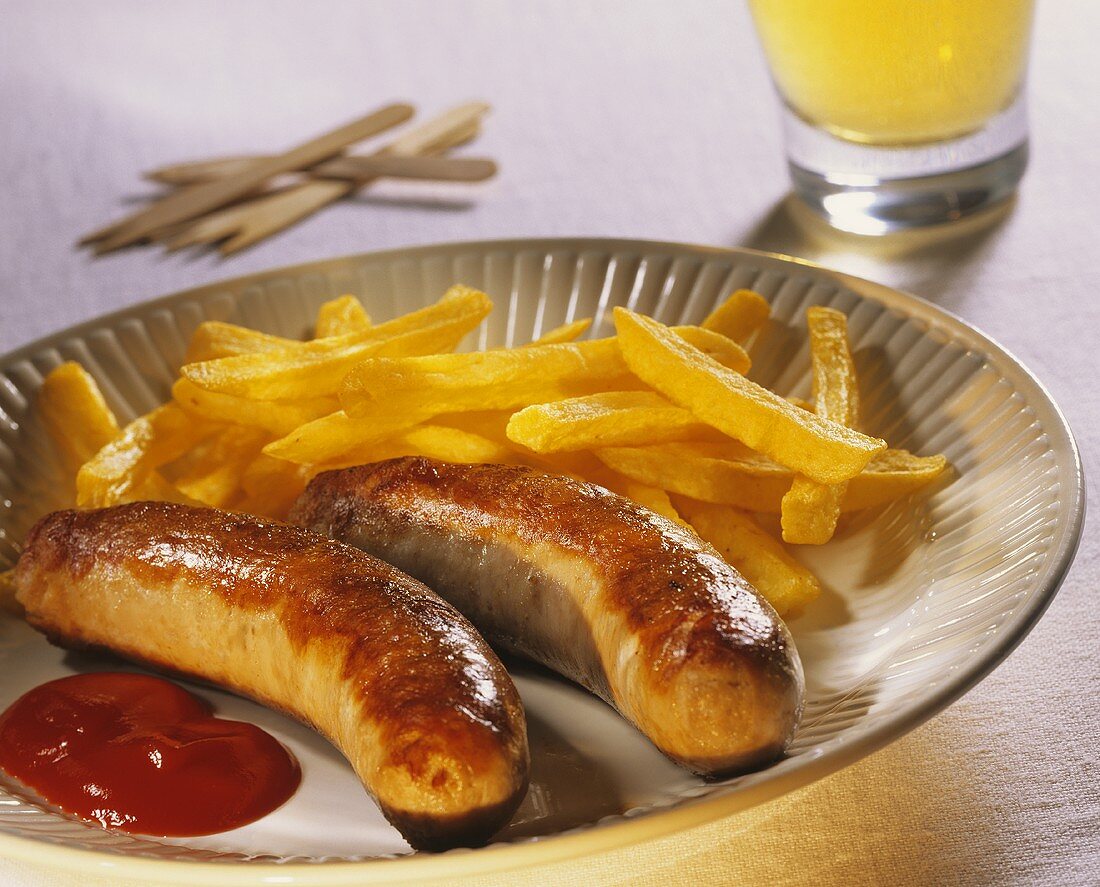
column 896, row 72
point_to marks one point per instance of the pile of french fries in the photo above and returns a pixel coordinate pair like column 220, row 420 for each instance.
column 663, row 415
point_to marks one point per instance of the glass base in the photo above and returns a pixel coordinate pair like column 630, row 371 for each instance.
column 882, row 206
column 874, row 189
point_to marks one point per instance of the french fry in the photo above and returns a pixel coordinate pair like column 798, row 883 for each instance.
column 214, row 479
column 506, row 378
column 742, row 314
column 276, row 416
column 722, row 475
column 567, row 332
column 454, row 445
column 339, row 316
column 822, row 450
column 120, row 471
column 609, row 419
column 192, row 462
column 75, row 414
column 728, row 475
column 214, row 339
column 435, row 442
column 331, row 438
column 810, row 510
column 836, row 388
column 271, row 485
column 653, row 498
column 498, row 379
column 760, row 558
column 891, row 475
column 492, row 424
column 718, row 347
column 317, row 368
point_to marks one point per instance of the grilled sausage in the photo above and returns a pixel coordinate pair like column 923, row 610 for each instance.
column 394, row 676
column 626, row 603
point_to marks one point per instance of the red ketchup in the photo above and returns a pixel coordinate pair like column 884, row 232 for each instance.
column 138, row 753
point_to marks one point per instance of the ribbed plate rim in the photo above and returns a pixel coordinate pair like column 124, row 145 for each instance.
column 621, row 831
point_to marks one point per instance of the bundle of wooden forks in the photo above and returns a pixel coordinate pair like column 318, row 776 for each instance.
column 237, row 201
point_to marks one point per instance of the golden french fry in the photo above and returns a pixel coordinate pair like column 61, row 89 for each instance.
column 215, row 478
column 214, row 339
column 889, row 476
column 336, row 317
column 435, row 442
column 492, row 424
column 801, row 403
column 653, row 498
column 271, row 485
column 567, row 332
column 498, row 379
column 118, row 472
column 730, row 475
column 455, row 445
column 316, row 368
column 505, row 378
column 276, row 416
column 75, row 414
column 716, row 346
column 609, row 419
column 191, row 462
column 836, row 388
column 760, row 558
column 155, row 488
column 822, row 450
column 329, row 439
column 218, row 489
column 810, row 510
column 718, row 474
column 742, row 314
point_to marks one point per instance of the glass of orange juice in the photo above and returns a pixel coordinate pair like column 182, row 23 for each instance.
column 900, row 113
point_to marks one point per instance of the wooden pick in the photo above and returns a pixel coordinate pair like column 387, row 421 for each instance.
column 192, row 172
column 439, row 169
column 353, row 168
column 198, row 199
column 253, row 221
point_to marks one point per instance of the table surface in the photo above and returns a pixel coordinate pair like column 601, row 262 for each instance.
column 629, row 119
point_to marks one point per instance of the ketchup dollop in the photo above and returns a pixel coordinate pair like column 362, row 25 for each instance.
column 141, row 754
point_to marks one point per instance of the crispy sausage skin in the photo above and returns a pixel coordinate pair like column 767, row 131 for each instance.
column 626, row 603
column 394, row 676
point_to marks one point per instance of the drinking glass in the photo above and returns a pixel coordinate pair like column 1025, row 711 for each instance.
column 900, row 113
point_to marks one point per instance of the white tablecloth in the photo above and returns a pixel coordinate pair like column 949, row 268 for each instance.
column 634, row 119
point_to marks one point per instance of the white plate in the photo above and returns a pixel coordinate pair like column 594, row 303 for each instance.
column 924, row 597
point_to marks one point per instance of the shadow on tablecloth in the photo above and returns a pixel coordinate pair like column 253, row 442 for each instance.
column 929, row 263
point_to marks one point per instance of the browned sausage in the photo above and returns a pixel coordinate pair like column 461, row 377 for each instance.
column 626, row 603
column 394, row 676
